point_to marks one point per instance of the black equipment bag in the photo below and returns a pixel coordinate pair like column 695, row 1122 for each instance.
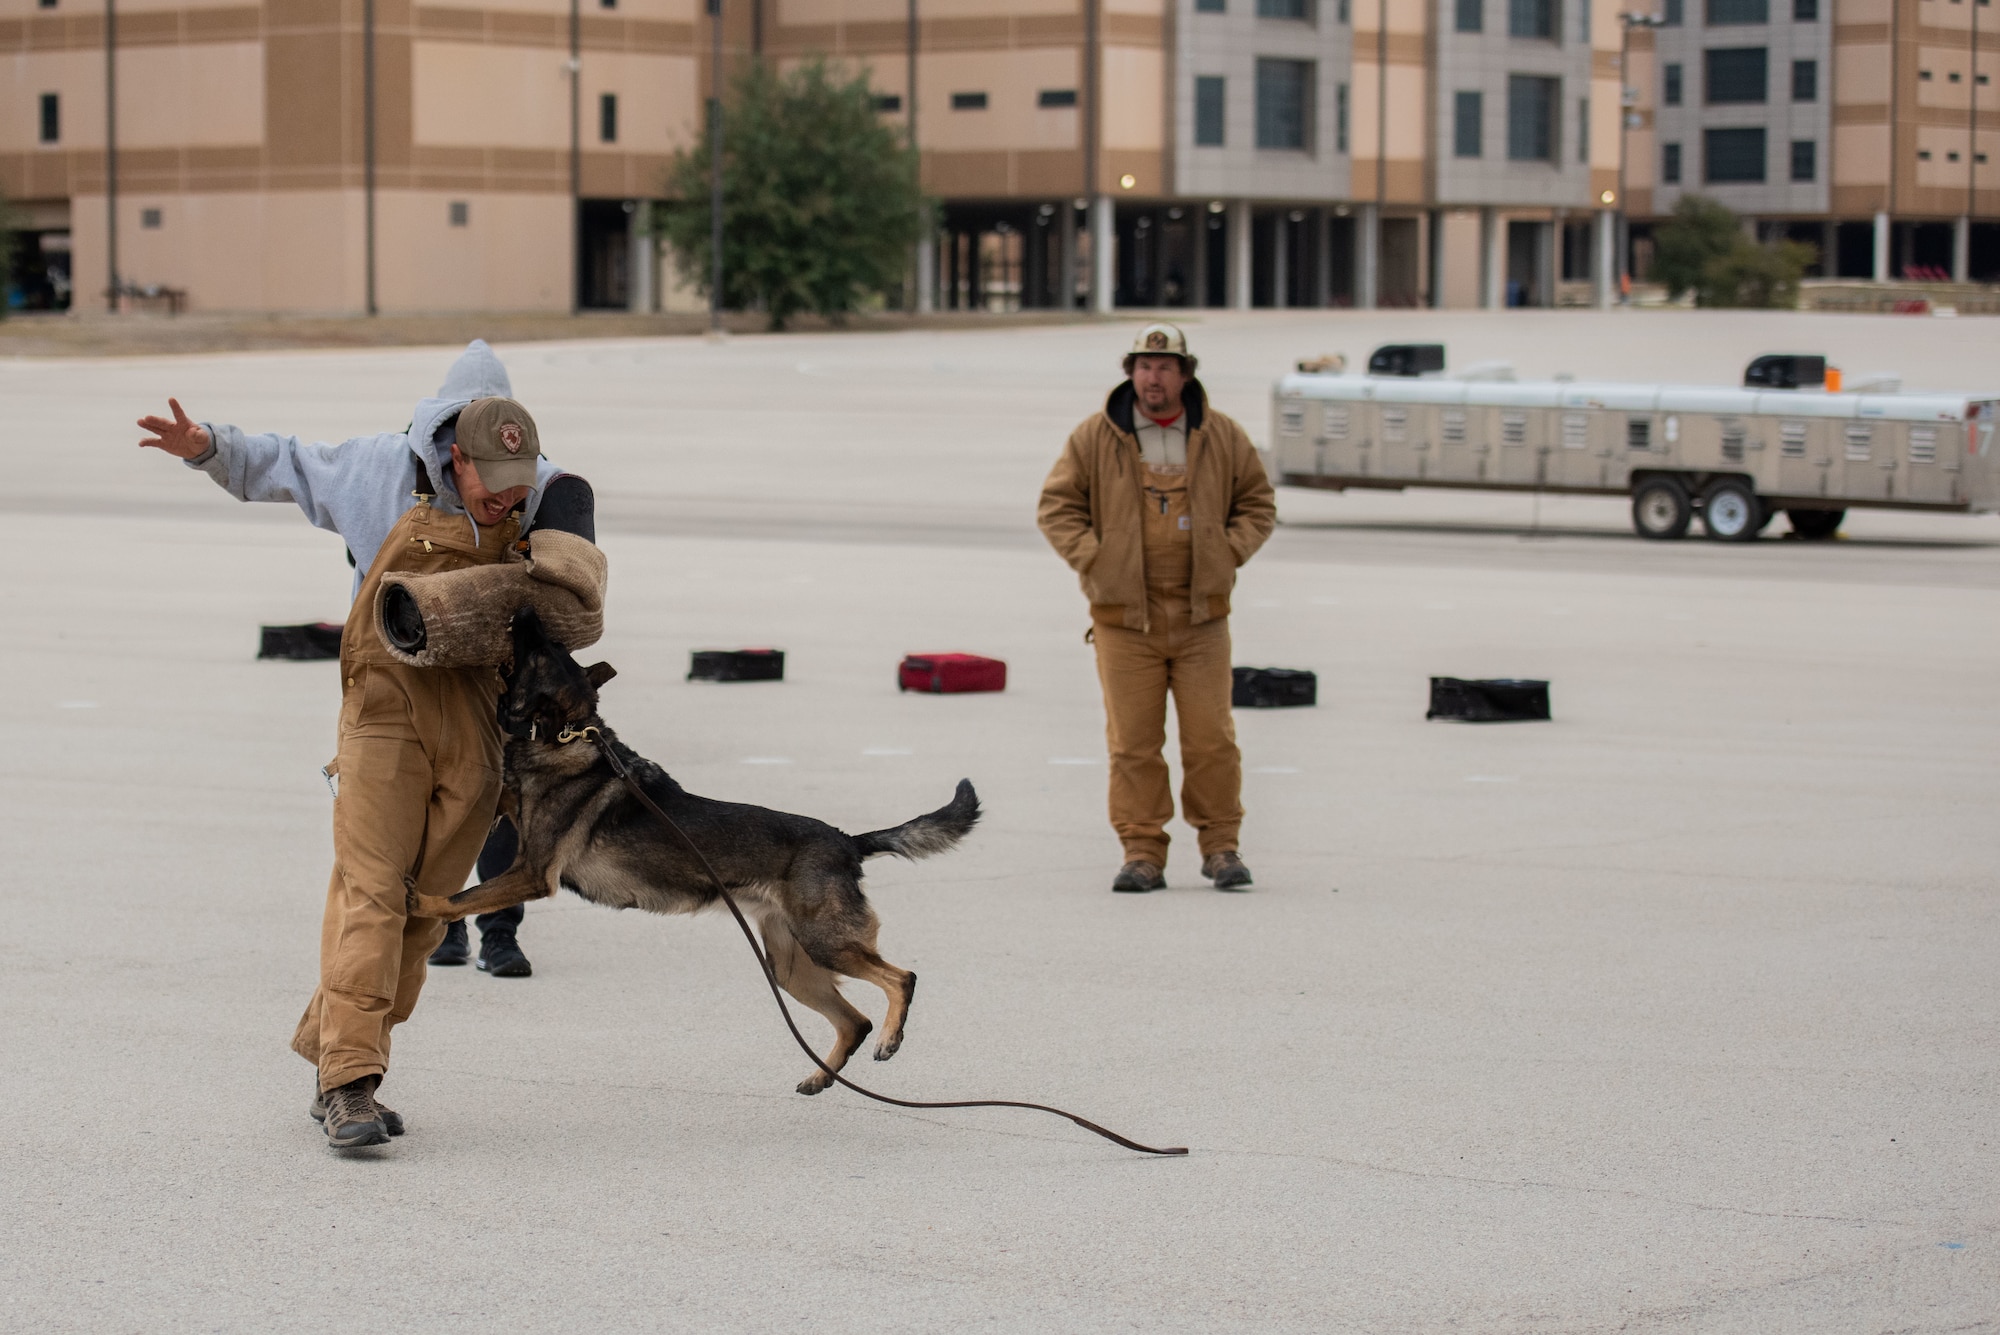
column 737, row 665
column 1493, row 701
column 1272, row 688
column 321, row 639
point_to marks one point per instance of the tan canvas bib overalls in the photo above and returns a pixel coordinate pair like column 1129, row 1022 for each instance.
column 1140, row 668
column 417, row 778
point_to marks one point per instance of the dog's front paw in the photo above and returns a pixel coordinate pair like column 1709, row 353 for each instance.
column 888, row 1047
column 815, row 1083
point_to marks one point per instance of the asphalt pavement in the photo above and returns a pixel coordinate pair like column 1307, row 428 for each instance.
column 1676, row 1013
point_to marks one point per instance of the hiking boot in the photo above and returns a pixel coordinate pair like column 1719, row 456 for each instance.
column 392, row 1121
column 500, row 954
column 1226, row 870
column 352, row 1119
column 454, row 949
column 1136, row 878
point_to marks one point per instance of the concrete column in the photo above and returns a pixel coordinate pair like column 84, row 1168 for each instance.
column 643, row 298
column 1103, row 255
column 1604, row 259
column 927, row 272
column 1492, row 260
column 1281, row 260
column 1961, row 250
column 1545, row 264
column 1239, row 255
column 1881, row 270
column 1066, row 291
column 1323, row 276
column 1434, row 265
column 1199, row 297
column 1367, row 257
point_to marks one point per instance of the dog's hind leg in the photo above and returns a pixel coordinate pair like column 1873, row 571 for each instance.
column 899, row 985
column 817, row 988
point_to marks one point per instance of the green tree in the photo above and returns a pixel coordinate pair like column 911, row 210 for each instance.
column 820, row 200
column 1702, row 249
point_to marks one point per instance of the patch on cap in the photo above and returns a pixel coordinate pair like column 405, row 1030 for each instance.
column 510, row 437
column 1160, row 340
column 1156, row 341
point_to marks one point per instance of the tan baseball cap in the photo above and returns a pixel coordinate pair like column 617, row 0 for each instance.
column 500, row 439
column 1160, row 340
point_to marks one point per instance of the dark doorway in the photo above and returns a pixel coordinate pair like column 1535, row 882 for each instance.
column 1215, row 236
column 1524, row 263
column 1340, row 259
column 40, row 277
column 1402, row 264
column 1854, row 250
column 1984, row 259
column 604, row 254
column 1920, row 251
column 1155, row 256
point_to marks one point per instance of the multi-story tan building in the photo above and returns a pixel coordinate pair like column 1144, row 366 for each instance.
column 323, row 155
column 1863, row 127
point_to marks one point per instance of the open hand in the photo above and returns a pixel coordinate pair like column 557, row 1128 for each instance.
column 180, row 437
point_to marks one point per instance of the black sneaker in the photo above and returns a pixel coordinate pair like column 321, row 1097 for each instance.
column 500, row 954
column 454, row 949
column 1226, row 870
column 1136, row 878
column 352, row 1120
column 392, row 1121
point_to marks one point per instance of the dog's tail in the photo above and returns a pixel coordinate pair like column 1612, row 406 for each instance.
column 938, row 832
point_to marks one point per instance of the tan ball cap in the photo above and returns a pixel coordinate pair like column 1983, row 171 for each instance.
column 500, row 439
column 1160, row 340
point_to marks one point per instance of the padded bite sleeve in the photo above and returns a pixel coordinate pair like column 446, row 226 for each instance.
column 465, row 617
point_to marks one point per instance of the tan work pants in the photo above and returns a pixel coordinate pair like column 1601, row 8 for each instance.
column 418, row 775
column 1138, row 670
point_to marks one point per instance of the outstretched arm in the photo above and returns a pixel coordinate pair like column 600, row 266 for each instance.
column 320, row 479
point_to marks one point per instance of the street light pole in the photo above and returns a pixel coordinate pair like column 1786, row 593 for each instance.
column 715, row 171
column 111, row 152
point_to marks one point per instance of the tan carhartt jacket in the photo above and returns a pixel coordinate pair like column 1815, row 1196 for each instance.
column 1091, row 508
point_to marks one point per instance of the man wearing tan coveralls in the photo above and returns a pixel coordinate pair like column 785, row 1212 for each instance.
column 417, row 769
column 1155, row 503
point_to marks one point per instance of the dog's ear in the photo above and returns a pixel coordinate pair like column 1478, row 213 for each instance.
column 599, row 673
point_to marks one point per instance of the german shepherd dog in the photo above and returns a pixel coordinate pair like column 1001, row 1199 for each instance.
column 581, row 827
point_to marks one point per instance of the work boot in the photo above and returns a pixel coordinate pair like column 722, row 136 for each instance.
column 500, row 954
column 392, row 1121
column 352, row 1119
column 1136, row 878
column 454, row 949
column 1226, row 870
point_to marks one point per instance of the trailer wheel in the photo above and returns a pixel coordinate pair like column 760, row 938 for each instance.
column 1731, row 512
column 1661, row 509
column 1815, row 524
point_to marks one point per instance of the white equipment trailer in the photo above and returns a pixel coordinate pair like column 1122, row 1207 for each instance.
column 1735, row 457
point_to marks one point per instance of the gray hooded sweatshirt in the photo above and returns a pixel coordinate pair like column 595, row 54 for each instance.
column 361, row 487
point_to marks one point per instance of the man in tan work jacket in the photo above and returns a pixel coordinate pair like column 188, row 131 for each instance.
column 1155, row 503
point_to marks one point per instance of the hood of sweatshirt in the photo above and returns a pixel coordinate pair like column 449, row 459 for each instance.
column 1118, row 407
column 477, row 374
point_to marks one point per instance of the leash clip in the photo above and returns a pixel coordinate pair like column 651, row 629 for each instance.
column 568, row 735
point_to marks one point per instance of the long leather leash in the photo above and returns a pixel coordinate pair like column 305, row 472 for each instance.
column 771, row 976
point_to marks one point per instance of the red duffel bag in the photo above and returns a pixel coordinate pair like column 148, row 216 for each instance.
column 949, row 674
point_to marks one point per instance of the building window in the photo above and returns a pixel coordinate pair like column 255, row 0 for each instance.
column 458, row 213
column 1208, row 124
column 1467, row 113
column 888, row 103
column 1056, row 97
column 1735, row 75
column 1670, row 85
column 1583, row 130
column 1340, row 12
column 1583, row 23
column 1805, row 80
column 1533, row 18
column 1284, row 103
column 1952, row 77
column 1805, row 11
column 1805, row 162
column 1923, row 76
column 607, row 118
column 1670, row 164
column 1733, row 157
column 968, row 101
column 1471, row 15
column 1285, row 9
column 1340, row 119
column 1531, row 118
column 150, row 219
column 607, row 4
column 1923, row 155
column 1672, row 14
column 47, row 4
column 1208, row 6
column 1730, row 13
column 51, row 118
